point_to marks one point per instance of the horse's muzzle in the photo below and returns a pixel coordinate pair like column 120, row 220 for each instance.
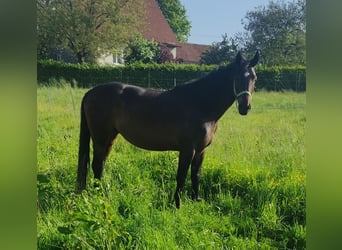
column 243, row 110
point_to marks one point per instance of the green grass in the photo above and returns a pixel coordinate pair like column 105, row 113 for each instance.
column 252, row 184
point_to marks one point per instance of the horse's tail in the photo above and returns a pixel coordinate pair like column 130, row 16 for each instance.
column 83, row 152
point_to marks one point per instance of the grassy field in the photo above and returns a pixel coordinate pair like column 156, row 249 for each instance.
column 252, row 184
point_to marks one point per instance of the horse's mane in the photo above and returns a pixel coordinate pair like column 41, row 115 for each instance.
column 209, row 78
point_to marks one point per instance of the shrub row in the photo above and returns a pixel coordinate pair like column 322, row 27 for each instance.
column 163, row 76
column 281, row 78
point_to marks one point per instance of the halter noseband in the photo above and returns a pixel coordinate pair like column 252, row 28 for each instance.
column 237, row 95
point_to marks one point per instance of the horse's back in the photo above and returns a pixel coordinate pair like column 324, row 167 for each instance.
column 103, row 90
column 101, row 99
column 143, row 116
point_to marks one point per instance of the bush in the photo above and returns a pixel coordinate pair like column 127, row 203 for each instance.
column 163, row 76
column 141, row 50
column 281, row 78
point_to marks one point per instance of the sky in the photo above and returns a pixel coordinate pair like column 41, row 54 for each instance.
column 210, row 20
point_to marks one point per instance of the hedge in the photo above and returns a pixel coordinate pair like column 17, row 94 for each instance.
column 281, row 78
column 163, row 76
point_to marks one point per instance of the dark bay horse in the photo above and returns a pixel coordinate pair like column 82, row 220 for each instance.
column 182, row 119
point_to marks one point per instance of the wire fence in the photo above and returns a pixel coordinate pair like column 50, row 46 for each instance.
column 164, row 76
column 295, row 82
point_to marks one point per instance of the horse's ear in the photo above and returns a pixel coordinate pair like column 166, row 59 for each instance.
column 255, row 59
column 238, row 58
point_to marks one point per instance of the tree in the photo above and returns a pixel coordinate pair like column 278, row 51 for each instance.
column 220, row 52
column 278, row 30
column 175, row 14
column 141, row 50
column 146, row 51
column 86, row 28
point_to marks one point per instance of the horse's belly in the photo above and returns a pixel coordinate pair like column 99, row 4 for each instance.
column 150, row 130
column 151, row 139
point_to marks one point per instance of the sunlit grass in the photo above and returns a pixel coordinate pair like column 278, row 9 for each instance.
column 252, row 185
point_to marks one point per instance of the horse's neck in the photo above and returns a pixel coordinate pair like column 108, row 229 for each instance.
column 222, row 99
column 214, row 95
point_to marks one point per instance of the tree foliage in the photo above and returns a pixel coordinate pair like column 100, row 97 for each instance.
column 141, row 50
column 85, row 28
column 175, row 14
column 220, row 52
column 278, row 30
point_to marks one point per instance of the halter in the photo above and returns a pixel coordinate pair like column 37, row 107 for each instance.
column 237, row 95
column 245, row 92
column 242, row 92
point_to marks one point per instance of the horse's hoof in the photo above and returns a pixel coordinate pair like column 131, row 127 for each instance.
column 177, row 204
column 79, row 189
column 177, row 200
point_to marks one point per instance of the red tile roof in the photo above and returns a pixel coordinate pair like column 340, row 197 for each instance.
column 190, row 52
column 158, row 29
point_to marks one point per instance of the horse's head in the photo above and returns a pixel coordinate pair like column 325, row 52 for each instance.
column 244, row 82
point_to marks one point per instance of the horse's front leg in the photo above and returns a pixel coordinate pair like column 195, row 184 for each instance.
column 185, row 158
column 196, row 166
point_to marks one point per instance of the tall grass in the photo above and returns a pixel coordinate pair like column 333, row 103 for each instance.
column 252, row 184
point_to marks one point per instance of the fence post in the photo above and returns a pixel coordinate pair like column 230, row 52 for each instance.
column 298, row 82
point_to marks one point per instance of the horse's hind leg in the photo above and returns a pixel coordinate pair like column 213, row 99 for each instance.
column 98, row 160
column 101, row 152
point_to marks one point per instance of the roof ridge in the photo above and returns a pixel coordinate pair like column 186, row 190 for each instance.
column 158, row 29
